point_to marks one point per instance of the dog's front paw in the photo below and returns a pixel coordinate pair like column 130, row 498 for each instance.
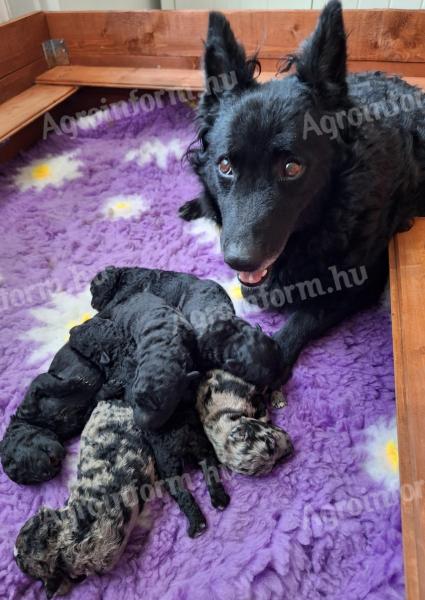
column 277, row 399
column 31, row 455
column 220, row 499
column 197, row 528
column 191, row 210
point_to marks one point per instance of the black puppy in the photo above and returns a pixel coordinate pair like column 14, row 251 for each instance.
column 148, row 348
column 55, row 408
column 225, row 341
column 308, row 187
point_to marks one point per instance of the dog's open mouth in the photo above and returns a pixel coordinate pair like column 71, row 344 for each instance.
column 254, row 278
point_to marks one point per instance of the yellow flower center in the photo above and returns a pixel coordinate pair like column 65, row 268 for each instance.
column 235, row 292
column 41, row 171
column 84, row 317
column 391, row 452
column 121, row 205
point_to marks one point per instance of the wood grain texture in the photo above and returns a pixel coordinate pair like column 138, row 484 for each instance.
column 148, row 79
column 113, row 36
column 74, row 107
column 21, row 79
column 20, row 42
column 24, row 108
column 407, row 278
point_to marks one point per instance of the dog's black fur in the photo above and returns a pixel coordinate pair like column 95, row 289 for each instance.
column 146, row 346
column 351, row 195
column 55, row 408
column 103, row 356
column 225, row 341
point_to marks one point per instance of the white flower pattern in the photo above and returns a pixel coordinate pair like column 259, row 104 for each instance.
column 52, row 170
column 64, row 311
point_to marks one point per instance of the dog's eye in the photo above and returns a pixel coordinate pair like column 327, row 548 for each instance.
column 291, row 169
column 225, row 167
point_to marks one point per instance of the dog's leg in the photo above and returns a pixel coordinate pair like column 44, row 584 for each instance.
column 191, row 210
column 188, row 505
column 202, row 206
column 210, row 468
column 172, row 475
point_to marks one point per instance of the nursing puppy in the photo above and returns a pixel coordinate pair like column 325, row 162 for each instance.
column 309, row 176
column 225, row 341
column 235, row 418
column 148, row 348
column 118, row 466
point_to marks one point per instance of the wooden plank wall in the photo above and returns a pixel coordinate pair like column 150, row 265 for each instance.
column 21, row 55
column 407, row 277
column 174, row 39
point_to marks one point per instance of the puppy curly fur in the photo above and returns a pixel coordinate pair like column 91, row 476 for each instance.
column 54, row 409
column 236, row 421
column 225, row 341
column 117, row 463
column 149, row 348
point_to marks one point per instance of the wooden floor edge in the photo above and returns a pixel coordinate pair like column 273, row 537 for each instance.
column 407, row 517
column 31, row 115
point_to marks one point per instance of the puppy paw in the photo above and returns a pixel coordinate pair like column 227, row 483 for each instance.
column 220, row 499
column 277, row 399
column 32, row 455
column 196, row 529
column 191, row 210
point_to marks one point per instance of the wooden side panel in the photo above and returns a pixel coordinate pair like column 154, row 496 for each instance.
column 84, row 99
column 114, row 38
column 20, row 80
column 21, row 55
column 26, row 107
column 407, row 277
column 148, row 79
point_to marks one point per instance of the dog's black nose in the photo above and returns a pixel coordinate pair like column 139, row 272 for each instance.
column 239, row 259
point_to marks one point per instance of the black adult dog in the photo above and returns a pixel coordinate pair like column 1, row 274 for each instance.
column 309, row 176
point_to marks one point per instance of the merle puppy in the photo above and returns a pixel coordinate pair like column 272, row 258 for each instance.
column 236, row 420
column 117, row 470
column 295, row 203
column 148, row 348
column 55, row 408
column 224, row 340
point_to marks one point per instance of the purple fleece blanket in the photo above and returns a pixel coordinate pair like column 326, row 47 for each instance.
column 325, row 524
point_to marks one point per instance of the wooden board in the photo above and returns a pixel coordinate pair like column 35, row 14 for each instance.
column 24, row 108
column 20, row 42
column 114, row 38
column 149, row 79
column 21, row 54
column 124, row 77
column 21, row 79
column 156, row 79
column 407, row 277
column 72, row 107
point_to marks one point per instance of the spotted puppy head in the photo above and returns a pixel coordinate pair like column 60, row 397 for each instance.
column 37, row 552
column 236, row 422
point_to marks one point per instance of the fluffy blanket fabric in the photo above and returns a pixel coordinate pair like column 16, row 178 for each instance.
column 326, row 524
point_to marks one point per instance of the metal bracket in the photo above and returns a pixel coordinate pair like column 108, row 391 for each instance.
column 55, row 53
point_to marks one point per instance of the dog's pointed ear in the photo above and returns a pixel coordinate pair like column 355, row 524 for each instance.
column 322, row 60
column 225, row 61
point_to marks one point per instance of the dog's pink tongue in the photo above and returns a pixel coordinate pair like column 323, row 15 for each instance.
column 252, row 277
